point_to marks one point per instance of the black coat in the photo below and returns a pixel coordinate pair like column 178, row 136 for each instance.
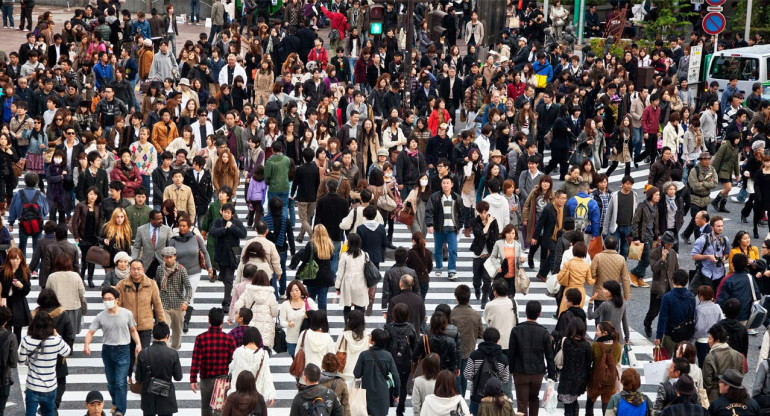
column 87, row 180
column 416, row 308
column 374, row 243
column 528, row 345
column 76, row 151
column 545, row 225
column 227, row 238
column 324, row 277
column 481, row 240
column 330, row 211
column 17, row 301
column 306, row 183
column 546, row 118
column 161, row 362
column 160, row 182
column 443, row 345
column 202, row 191
column 578, row 359
column 409, row 169
column 306, row 42
column 457, row 92
column 434, row 212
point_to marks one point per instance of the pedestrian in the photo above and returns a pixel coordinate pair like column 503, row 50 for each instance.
column 16, row 286
column 677, row 310
column 392, row 278
column 254, row 357
column 25, row 196
column 741, row 286
column 260, row 299
column 578, row 362
column 350, row 284
column 175, row 293
column 294, row 310
column 115, row 236
column 40, row 349
column 612, row 310
column 546, row 232
column 320, row 249
column 403, row 336
column 118, row 330
column 606, row 356
column 189, row 245
column 686, row 401
column 212, row 352
column 720, row 359
column 442, row 214
column 498, row 314
column 742, row 245
column 120, row 272
column 312, row 391
column 645, row 230
column 151, row 239
column 445, row 398
column 157, row 365
column 707, row 314
column 246, row 399
column 534, row 204
column 413, row 301
column 378, row 373
column 630, row 401
column 576, row 273
column 353, row 341
column 47, row 302
column 664, row 262
column 316, row 340
column 726, row 161
column 487, row 362
column 733, row 397
column 11, row 359
column 620, row 213
column 711, row 250
column 420, row 259
column 331, row 378
column 228, row 231
column 374, row 244
column 68, row 288
column 280, row 232
column 470, row 327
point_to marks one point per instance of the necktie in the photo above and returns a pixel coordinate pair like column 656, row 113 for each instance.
column 154, row 236
column 197, row 177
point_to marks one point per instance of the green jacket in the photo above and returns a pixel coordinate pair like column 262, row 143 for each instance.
column 725, row 162
column 137, row 217
column 701, row 182
column 277, row 173
column 208, row 220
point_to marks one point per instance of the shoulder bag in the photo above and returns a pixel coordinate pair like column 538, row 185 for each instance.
column 559, row 358
column 201, row 254
column 417, row 368
column 386, row 202
column 157, row 386
column 279, row 341
column 371, row 273
column 98, row 255
column 684, row 330
column 298, row 365
column 406, row 216
column 758, row 312
column 342, row 356
column 309, row 270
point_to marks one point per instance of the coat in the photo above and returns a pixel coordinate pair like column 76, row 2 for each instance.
column 434, row 212
column 17, row 301
column 350, row 280
column 261, row 301
column 163, row 135
column 701, row 183
column 639, row 222
column 720, row 359
column 725, row 162
column 161, row 362
column 663, row 270
column 143, row 248
column 578, row 361
column 501, row 314
column 609, row 265
column 739, row 287
column 144, row 303
column 576, row 274
column 132, row 180
column 546, row 224
column 530, row 350
column 227, row 238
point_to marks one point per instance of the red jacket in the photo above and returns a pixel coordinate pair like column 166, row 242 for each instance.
column 359, row 71
column 433, row 121
column 651, row 120
column 321, row 57
column 339, row 21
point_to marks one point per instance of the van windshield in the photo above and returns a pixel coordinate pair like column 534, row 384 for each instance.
column 745, row 69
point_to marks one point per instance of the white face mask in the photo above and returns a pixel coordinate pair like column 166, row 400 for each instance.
column 423, row 182
column 389, row 174
column 109, row 304
column 57, row 160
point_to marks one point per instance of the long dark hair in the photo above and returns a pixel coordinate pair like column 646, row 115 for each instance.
column 356, row 324
column 246, row 386
column 419, row 242
column 41, row 326
column 354, row 245
column 445, row 384
column 254, row 249
column 614, row 288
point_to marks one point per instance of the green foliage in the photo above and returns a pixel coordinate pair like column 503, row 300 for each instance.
column 619, row 47
column 670, row 21
column 760, row 17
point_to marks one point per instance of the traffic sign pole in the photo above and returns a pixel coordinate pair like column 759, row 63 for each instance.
column 747, row 31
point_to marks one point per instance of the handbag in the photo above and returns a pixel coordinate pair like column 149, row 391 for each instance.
column 386, row 202
column 576, row 158
column 659, row 354
column 758, row 312
column 513, row 22
column 371, row 273
column 342, row 356
column 468, row 184
column 558, row 360
column 159, row 387
column 684, row 330
column 357, row 400
column 595, row 246
column 48, row 155
column 635, row 250
column 521, row 281
column 406, row 216
column 624, row 360
column 98, row 255
column 236, row 254
column 201, row 255
column 552, row 285
column 298, row 365
column 309, row 270
column 279, row 341
column 219, row 393
column 18, row 167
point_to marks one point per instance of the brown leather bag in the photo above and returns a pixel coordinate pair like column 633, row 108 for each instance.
column 298, row 365
column 98, row 255
column 342, row 356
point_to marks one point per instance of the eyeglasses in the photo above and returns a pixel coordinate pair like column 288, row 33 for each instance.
column 57, row 119
column 70, row 133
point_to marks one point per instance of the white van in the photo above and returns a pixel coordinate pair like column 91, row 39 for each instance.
column 749, row 64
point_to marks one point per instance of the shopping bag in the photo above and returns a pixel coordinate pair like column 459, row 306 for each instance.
column 357, row 400
column 552, row 285
column 654, row 372
column 631, row 358
column 595, row 246
column 635, row 250
column 219, row 394
column 624, row 360
column 549, row 399
column 659, row 354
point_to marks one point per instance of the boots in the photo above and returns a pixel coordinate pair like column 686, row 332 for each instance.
column 91, row 282
column 716, row 201
column 390, row 243
column 722, row 206
column 187, row 315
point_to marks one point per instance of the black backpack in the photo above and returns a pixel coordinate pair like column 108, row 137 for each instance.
column 487, row 371
column 31, row 219
column 317, row 408
column 400, row 349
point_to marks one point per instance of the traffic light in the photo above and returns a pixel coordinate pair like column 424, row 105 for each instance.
column 375, row 17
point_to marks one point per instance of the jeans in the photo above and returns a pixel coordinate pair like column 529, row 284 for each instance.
column 352, row 66
column 195, row 11
column 291, row 349
column 145, row 337
column 214, row 30
column 527, row 390
column 636, row 141
column 474, row 408
column 8, row 15
column 461, row 382
column 45, row 400
column 284, row 197
column 319, row 295
column 116, row 364
column 23, row 240
column 439, row 238
column 424, row 286
column 641, row 268
column 336, row 257
column 621, row 233
column 280, row 288
column 136, row 106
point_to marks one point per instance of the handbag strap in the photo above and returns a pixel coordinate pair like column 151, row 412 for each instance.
column 260, row 363
column 379, row 365
column 345, row 340
column 302, row 344
column 426, row 344
column 751, row 283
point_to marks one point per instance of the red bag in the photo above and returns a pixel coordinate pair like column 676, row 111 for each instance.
column 595, row 246
column 659, row 354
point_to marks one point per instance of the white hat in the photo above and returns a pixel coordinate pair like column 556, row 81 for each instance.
column 185, row 82
column 147, row 42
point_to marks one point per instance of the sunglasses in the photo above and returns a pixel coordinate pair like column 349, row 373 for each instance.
column 70, row 133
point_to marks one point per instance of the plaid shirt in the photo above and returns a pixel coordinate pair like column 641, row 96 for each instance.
column 178, row 290
column 212, row 354
column 237, row 334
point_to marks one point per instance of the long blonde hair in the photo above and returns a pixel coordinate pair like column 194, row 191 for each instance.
column 121, row 233
column 322, row 243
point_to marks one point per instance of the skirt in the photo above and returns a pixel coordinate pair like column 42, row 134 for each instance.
column 35, row 163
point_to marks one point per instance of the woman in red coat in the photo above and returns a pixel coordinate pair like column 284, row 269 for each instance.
column 126, row 171
column 359, row 72
column 438, row 116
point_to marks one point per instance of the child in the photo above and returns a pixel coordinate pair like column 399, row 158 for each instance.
column 255, row 195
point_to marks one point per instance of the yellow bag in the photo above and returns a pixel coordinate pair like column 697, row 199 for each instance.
column 542, row 80
column 635, row 251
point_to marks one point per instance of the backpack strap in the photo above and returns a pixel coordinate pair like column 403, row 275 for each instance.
column 23, row 197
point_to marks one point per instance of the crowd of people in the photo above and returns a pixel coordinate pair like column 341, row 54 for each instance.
column 140, row 153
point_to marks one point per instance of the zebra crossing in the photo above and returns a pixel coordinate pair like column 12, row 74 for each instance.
column 86, row 372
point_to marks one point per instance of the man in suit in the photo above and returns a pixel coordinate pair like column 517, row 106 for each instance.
column 451, row 90
column 150, row 240
column 307, row 38
column 547, row 112
column 546, row 232
column 49, row 238
column 25, row 48
column 199, row 181
column 57, row 50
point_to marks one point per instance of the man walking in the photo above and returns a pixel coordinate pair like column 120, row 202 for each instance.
column 181, row 194
column 159, row 362
column 151, row 238
column 228, row 231
column 547, row 230
column 702, row 180
column 609, row 265
column 175, row 293
column 330, row 211
column 212, row 353
column 442, row 215
column 711, row 250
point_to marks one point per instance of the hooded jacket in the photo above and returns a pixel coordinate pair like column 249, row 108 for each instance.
column 351, row 282
column 498, row 208
column 304, row 400
column 316, row 345
column 337, row 384
column 740, row 287
column 674, row 309
column 261, row 301
column 475, row 363
column 442, row 406
column 373, row 240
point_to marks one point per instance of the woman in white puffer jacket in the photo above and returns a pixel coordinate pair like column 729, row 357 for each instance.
column 250, row 357
column 354, row 340
column 260, row 298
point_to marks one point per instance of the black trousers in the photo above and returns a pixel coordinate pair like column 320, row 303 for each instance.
column 653, row 310
column 546, row 265
column 694, row 210
column 481, row 278
column 402, row 393
column 26, row 13
column 145, row 337
column 560, row 157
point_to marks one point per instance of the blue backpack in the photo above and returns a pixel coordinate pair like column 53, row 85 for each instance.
column 627, row 409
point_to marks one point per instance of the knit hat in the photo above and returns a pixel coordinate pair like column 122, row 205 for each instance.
column 493, row 387
column 685, row 385
column 758, row 145
column 651, row 191
column 147, row 42
column 122, row 255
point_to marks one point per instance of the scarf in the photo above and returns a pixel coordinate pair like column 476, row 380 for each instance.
column 559, row 217
column 633, row 397
column 169, row 271
column 671, row 203
column 412, row 154
column 122, row 274
column 280, row 238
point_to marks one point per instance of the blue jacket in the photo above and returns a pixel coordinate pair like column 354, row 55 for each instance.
column 674, row 309
column 738, row 286
column 15, row 211
column 132, row 70
column 103, row 73
column 500, row 107
column 543, row 69
column 142, row 27
column 594, row 212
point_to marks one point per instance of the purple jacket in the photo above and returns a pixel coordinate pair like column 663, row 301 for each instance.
column 256, row 190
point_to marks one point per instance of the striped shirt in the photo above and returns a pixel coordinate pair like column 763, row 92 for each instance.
column 42, row 365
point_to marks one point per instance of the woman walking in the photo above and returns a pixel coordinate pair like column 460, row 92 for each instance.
column 420, row 259
column 316, row 341
column 350, row 283
column 58, row 178
column 294, row 310
column 15, row 288
column 612, row 310
column 506, row 257
column 47, row 302
column 260, row 299
column 116, row 236
column 254, row 358
column 604, row 377
column 578, row 361
column 318, row 249
column 86, row 223
column 576, row 274
column 189, row 249
column 69, row 289
column 39, row 350
column 353, row 341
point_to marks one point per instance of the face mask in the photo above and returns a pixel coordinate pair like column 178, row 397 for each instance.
column 57, row 160
column 109, row 304
column 388, row 174
column 423, row 182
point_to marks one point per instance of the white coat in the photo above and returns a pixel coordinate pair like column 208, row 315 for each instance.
column 351, row 281
column 261, row 301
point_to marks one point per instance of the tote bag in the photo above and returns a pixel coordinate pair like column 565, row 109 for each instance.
column 357, row 400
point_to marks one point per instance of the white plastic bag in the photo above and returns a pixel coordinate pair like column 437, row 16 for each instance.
column 552, row 285
column 550, row 400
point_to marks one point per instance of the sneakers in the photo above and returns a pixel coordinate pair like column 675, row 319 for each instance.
column 753, row 332
column 452, row 276
column 737, row 200
column 437, row 273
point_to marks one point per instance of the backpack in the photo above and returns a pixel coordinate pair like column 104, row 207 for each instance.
column 605, row 371
column 317, row 408
column 628, row 409
column 400, row 349
column 487, row 371
column 581, row 213
column 31, row 219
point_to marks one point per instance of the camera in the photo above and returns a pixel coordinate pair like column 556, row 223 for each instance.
column 720, row 262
